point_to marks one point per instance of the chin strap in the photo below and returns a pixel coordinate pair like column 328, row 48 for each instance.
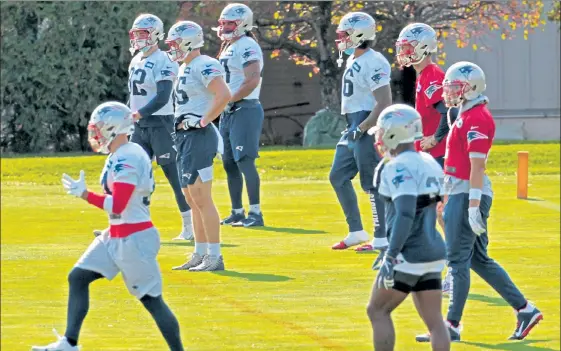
column 340, row 59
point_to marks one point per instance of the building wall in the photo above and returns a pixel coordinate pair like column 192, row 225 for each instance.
column 523, row 85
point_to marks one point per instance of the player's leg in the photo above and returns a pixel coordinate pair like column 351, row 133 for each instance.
column 343, row 170
column 136, row 258
column 233, row 173
column 382, row 303
column 369, row 162
column 245, row 132
column 165, row 151
column 460, row 240
column 201, row 193
column 489, row 270
column 94, row 264
column 427, row 296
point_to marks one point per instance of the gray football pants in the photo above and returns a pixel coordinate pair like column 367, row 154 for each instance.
column 466, row 250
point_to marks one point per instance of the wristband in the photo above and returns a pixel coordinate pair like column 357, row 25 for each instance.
column 475, row 194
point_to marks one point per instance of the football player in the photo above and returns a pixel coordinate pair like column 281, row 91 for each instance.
column 415, row 46
column 242, row 120
column 151, row 78
column 410, row 184
column 365, row 93
column 131, row 244
column 469, row 201
column 200, row 95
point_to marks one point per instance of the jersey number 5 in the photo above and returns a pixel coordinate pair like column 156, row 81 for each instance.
column 141, row 77
column 224, row 63
column 181, row 95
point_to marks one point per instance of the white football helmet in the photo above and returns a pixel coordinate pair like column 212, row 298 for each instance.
column 235, row 20
column 184, row 37
column 414, row 43
column 106, row 122
column 354, row 29
column 146, row 30
column 463, row 81
column 397, row 124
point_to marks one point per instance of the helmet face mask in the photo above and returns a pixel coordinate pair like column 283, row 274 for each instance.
column 175, row 53
column 406, row 55
column 343, row 41
column 453, row 93
column 96, row 139
column 140, row 39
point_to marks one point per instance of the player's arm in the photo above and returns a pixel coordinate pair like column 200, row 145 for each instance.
column 443, row 127
column 112, row 204
column 222, row 96
column 405, row 207
column 478, row 146
column 252, row 77
column 164, row 88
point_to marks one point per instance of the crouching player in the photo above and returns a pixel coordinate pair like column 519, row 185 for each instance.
column 469, row 201
column 131, row 244
column 410, row 184
column 201, row 94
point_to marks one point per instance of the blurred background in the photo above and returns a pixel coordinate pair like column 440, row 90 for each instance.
column 59, row 60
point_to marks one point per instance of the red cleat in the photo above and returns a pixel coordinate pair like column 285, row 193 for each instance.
column 365, row 248
column 340, row 246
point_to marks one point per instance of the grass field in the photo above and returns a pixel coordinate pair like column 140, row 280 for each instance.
column 284, row 288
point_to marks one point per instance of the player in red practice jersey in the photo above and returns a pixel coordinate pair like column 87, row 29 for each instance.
column 469, row 201
column 414, row 47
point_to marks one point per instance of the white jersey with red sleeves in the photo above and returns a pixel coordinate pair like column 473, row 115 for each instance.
column 471, row 136
column 362, row 76
column 235, row 58
column 191, row 94
column 411, row 173
column 130, row 164
column 144, row 75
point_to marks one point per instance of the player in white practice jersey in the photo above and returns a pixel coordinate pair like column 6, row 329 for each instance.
column 131, row 244
column 242, row 120
column 410, row 186
column 365, row 93
column 200, row 95
column 151, row 78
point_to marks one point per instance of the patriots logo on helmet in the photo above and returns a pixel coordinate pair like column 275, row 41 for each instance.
column 466, row 70
column 240, row 11
column 248, row 54
column 104, row 110
column 378, row 77
column 151, row 20
column 356, row 18
column 208, row 71
column 181, row 28
column 475, row 135
column 417, row 30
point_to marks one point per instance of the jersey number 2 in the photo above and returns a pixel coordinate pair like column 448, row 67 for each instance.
column 142, row 76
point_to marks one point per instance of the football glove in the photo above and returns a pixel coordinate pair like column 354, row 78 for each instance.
column 354, row 134
column 74, row 187
column 191, row 122
column 386, row 273
column 476, row 221
column 231, row 107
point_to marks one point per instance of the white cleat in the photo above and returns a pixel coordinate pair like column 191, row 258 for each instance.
column 186, row 234
column 195, row 260
column 60, row 345
column 210, row 263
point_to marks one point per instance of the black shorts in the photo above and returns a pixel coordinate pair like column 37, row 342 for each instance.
column 156, row 141
column 196, row 150
column 407, row 283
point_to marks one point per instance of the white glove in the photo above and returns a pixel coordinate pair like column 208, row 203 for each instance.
column 385, row 275
column 191, row 122
column 74, row 187
column 476, row 221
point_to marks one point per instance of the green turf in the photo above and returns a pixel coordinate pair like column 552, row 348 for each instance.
column 284, row 289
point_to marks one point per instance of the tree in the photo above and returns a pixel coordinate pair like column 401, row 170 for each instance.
column 59, row 61
column 554, row 14
column 305, row 30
